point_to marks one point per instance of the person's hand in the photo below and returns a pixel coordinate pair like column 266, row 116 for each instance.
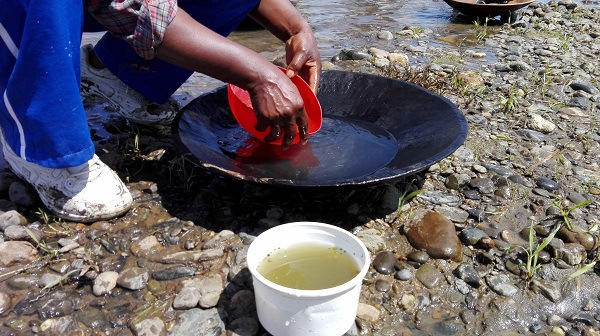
column 279, row 107
column 303, row 58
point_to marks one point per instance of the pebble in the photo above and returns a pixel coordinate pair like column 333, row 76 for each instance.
column 105, row 282
column 384, row 262
column 546, row 184
column 435, row 234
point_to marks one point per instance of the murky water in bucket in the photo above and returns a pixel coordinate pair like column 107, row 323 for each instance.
column 343, row 148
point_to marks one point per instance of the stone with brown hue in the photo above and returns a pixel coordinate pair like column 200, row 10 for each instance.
column 435, row 234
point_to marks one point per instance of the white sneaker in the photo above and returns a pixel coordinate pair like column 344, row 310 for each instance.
column 127, row 102
column 86, row 193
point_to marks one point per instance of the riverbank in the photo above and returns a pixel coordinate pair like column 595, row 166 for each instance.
column 527, row 174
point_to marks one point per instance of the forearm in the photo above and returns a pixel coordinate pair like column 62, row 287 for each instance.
column 281, row 18
column 191, row 45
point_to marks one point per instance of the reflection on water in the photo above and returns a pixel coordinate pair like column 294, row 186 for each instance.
column 343, row 148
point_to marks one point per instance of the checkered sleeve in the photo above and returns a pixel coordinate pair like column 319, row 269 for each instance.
column 142, row 23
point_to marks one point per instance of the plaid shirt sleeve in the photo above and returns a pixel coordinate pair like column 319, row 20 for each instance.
column 142, row 23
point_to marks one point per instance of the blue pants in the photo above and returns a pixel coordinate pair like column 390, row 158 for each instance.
column 41, row 113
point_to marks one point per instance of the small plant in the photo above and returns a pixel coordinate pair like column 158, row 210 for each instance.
column 565, row 213
column 534, row 250
column 42, row 245
column 407, row 196
column 481, row 30
column 511, row 101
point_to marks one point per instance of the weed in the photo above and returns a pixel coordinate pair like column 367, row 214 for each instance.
column 406, row 197
column 534, row 250
column 511, row 102
column 481, row 30
column 42, row 245
column 566, row 212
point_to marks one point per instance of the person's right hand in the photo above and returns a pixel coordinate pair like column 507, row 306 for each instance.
column 279, row 107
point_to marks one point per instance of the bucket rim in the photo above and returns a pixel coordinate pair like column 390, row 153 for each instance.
column 309, row 293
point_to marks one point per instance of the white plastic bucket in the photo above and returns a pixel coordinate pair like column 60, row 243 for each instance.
column 284, row 311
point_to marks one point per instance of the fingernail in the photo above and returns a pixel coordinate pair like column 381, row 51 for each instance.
column 290, row 73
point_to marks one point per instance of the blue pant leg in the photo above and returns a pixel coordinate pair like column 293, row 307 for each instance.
column 41, row 113
column 157, row 79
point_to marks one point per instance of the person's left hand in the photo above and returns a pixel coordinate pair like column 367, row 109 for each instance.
column 303, row 58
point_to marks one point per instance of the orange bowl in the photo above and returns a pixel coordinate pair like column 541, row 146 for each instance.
column 243, row 112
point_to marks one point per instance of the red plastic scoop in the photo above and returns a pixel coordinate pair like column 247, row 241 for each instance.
column 241, row 107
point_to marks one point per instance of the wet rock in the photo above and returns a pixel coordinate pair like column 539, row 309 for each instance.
column 209, row 288
column 5, row 303
column 49, row 280
column 429, row 276
column 14, row 252
column 105, row 282
column 472, row 236
column 133, row 278
column 577, row 235
column 468, row 274
column 571, row 253
column 383, row 286
column 168, row 257
column 548, row 290
column 145, row 247
column 585, row 318
column 454, row 214
column 174, row 273
column 198, row 322
column 367, row 312
column 501, row 284
column 55, row 305
column 219, row 240
column 546, row 184
column 435, row 234
column 244, row 326
column 419, row 257
column 405, row 271
column 23, row 281
column 373, row 239
column 94, row 318
column 384, row 262
column 150, row 327
column 66, row 325
column 188, row 297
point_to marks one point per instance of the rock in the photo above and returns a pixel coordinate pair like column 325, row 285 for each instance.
column 149, row 327
column 373, row 239
column 133, row 278
column 367, row 312
column 538, row 123
column 384, row 262
column 11, row 218
column 188, row 297
column 197, row 321
column 501, row 284
column 5, row 303
column 243, row 326
column 429, row 276
column 15, row 252
column 146, row 246
column 105, row 282
column 435, row 234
